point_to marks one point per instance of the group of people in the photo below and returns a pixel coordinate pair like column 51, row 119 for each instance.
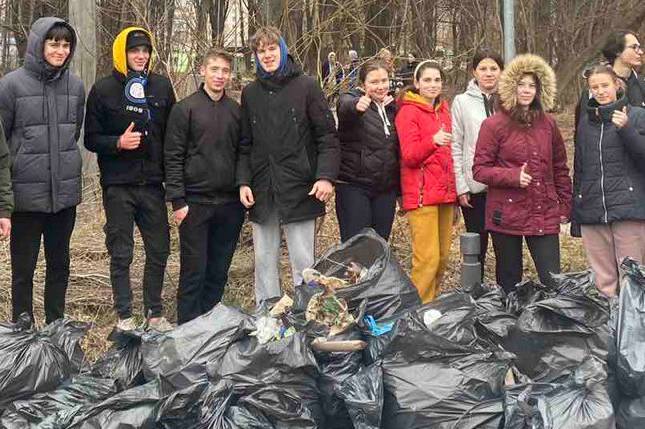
column 335, row 74
column 501, row 158
column 278, row 154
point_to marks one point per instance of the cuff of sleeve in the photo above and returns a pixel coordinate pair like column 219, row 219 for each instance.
column 324, row 177
column 5, row 214
column 179, row 203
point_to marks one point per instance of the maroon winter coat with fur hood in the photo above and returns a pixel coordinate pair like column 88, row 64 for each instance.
column 504, row 145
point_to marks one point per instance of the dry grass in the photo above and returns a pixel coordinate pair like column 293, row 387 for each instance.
column 89, row 296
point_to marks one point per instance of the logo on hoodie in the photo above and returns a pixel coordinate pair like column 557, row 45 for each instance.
column 135, row 94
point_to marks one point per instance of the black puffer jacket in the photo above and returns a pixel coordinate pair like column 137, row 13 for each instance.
column 609, row 166
column 202, row 142
column 288, row 142
column 369, row 156
column 42, row 114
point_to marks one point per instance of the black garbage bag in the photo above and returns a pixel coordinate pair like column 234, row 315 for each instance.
column 30, row 361
column 579, row 284
column 58, row 407
column 631, row 413
column 154, row 405
column 613, row 387
column 526, row 293
column 278, row 378
column 554, row 336
column 630, row 330
column 222, row 409
column 438, row 373
column 493, row 321
column 335, row 368
column 363, row 396
column 387, row 288
column 577, row 401
column 68, row 334
column 462, row 309
column 194, row 344
column 123, row 362
column 462, row 391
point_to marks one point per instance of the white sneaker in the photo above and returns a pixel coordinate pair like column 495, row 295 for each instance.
column 126, row 324
column 160, row 324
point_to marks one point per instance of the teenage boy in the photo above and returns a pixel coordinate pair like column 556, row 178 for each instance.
column 41, row 105
column 202, row 143
column 125, row 125
column 289, row 158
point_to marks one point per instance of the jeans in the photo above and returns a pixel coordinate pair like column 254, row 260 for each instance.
column 143, row 205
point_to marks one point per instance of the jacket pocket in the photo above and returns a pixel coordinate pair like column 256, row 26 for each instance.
column 510, row 211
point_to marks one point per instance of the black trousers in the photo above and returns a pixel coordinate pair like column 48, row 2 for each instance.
column 208, row 237
column 27, row 228
column 475, row 221
column 357, row 208
column 143, row 205
column 545, row 251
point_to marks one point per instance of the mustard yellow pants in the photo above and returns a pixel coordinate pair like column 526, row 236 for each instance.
column 431, row 230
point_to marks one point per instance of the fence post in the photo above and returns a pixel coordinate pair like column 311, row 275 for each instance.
column 471, row 268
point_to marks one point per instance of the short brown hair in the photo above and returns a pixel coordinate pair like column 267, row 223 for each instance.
column 265, row 35
column 217, row 52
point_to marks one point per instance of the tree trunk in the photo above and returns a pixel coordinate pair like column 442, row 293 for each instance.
column 82, row 16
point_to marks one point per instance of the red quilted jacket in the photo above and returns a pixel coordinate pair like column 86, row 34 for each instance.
column 502, row 148
column 427, row 175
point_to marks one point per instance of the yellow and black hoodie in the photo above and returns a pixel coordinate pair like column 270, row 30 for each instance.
column 119, row 99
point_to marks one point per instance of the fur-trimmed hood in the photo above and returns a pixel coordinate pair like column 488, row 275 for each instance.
column 518, row 67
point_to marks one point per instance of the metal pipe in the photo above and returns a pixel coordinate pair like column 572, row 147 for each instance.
column 509, row 30
column 471, row 268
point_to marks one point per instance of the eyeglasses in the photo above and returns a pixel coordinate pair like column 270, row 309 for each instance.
column 636, row 47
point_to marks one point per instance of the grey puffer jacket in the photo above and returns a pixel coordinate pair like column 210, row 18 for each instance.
column 42, row 113
column 468, row 112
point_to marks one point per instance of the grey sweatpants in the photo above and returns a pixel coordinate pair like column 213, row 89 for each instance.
column 266, row 246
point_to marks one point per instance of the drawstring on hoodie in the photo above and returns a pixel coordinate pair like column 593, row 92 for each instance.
column 383, row 114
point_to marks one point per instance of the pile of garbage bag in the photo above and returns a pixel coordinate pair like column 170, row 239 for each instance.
column 627, row 351
column 353, row 348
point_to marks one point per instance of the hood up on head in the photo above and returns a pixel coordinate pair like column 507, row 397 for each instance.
column 119, row 50
column 34, row 58
column 518, row 67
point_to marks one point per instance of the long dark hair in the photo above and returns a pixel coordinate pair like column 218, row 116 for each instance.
column 535, row 110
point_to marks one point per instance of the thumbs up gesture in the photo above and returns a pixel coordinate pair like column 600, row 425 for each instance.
column 442, row 138
column 525, row 178
column 129, row 140
column 620, row 118
column 363, row 103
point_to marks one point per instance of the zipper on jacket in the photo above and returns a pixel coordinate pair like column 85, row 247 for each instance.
column 602, row 172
